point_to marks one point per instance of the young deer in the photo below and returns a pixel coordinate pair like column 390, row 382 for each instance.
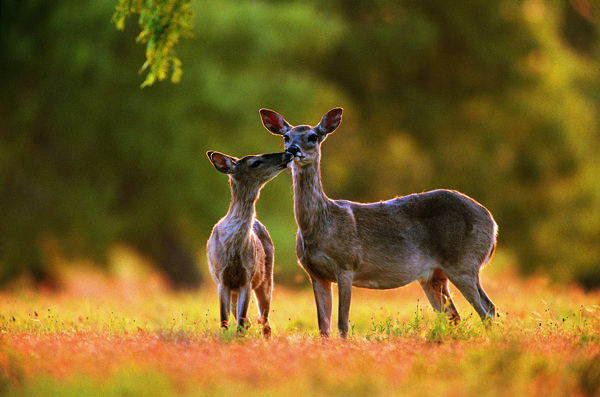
column 430, row 237
column 240, row 251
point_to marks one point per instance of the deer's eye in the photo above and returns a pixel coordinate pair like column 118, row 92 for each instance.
column 255, row 164
column 286, row 138
column 312, row 138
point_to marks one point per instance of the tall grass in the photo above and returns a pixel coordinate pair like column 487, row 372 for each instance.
column 129, row 335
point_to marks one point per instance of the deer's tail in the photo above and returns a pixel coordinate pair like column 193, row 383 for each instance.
column 493, row 247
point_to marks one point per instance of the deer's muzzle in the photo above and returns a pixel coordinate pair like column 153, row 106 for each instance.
column 294, row 150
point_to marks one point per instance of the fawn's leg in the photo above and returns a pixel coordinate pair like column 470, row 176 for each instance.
column 224, row 302
column 323, row 299
column 345, row 296
column 243, row 301
column 263, row 300
column 234, row 303
column 436, row 290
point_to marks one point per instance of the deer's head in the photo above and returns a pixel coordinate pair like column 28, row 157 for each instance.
column 255, row 170
column 302, row 141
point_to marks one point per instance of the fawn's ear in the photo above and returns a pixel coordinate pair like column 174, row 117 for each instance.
column 274, row 122
column 330, row 121
column 222, row 162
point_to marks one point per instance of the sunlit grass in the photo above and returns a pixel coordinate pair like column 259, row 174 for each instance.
column 129, row 334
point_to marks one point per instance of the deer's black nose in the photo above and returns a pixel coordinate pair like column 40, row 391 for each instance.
column 294, row 150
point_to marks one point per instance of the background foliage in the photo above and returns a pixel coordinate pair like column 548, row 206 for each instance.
column 498, row 99
column 162, row 24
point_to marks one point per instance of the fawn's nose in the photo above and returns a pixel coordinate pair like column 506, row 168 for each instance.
column 294, row 150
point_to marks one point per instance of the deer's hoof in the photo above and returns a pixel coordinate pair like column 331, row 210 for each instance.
column 267, row 331
column 243, row 325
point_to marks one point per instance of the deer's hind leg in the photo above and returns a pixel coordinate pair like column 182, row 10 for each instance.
column 468, row 284
column 491, row 308
column 263, row 300
column 438, row 294
column 224, row 302
column 242, row 310
column 234, row 303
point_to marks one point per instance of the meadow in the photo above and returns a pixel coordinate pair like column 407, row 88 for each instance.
column 128, row 334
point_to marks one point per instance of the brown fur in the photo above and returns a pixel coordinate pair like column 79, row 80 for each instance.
column 430, row 237
column 240, row 251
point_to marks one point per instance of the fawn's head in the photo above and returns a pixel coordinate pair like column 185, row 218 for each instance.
column 302, row 141
column 255, row 170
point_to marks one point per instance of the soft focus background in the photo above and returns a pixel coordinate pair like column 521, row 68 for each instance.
column 498, row 99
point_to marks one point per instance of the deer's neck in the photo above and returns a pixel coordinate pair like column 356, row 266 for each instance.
column 310, row 202
column 239, row 220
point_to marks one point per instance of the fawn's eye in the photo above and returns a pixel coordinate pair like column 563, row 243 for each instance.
column 286, row 138
column 255, row 164
column 312, row 138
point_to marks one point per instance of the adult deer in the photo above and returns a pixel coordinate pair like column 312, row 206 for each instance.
column 240, row 251
column 430, row 237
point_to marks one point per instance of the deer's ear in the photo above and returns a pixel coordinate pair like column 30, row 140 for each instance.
column 330, row 121
column 274, row 122
column 222, row 162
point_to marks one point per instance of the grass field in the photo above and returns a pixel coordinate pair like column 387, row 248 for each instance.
column 128, row 335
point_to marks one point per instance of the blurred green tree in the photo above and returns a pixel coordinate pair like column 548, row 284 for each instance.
column 73, row 170
column 89, row 160
column 495, row 102
column 497, row 99
column 162, row 23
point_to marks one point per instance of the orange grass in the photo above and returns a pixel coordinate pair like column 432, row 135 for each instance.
column 129, row 335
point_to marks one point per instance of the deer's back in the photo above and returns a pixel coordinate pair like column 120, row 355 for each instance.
column 443, row 224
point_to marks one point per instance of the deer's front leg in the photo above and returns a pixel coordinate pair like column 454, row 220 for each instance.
column 345, row 295
column 323, row 299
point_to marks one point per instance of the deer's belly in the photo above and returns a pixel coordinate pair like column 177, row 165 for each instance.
column 392, row 274
column 378, row 283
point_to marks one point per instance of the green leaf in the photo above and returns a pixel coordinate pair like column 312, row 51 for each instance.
column 162, row 23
